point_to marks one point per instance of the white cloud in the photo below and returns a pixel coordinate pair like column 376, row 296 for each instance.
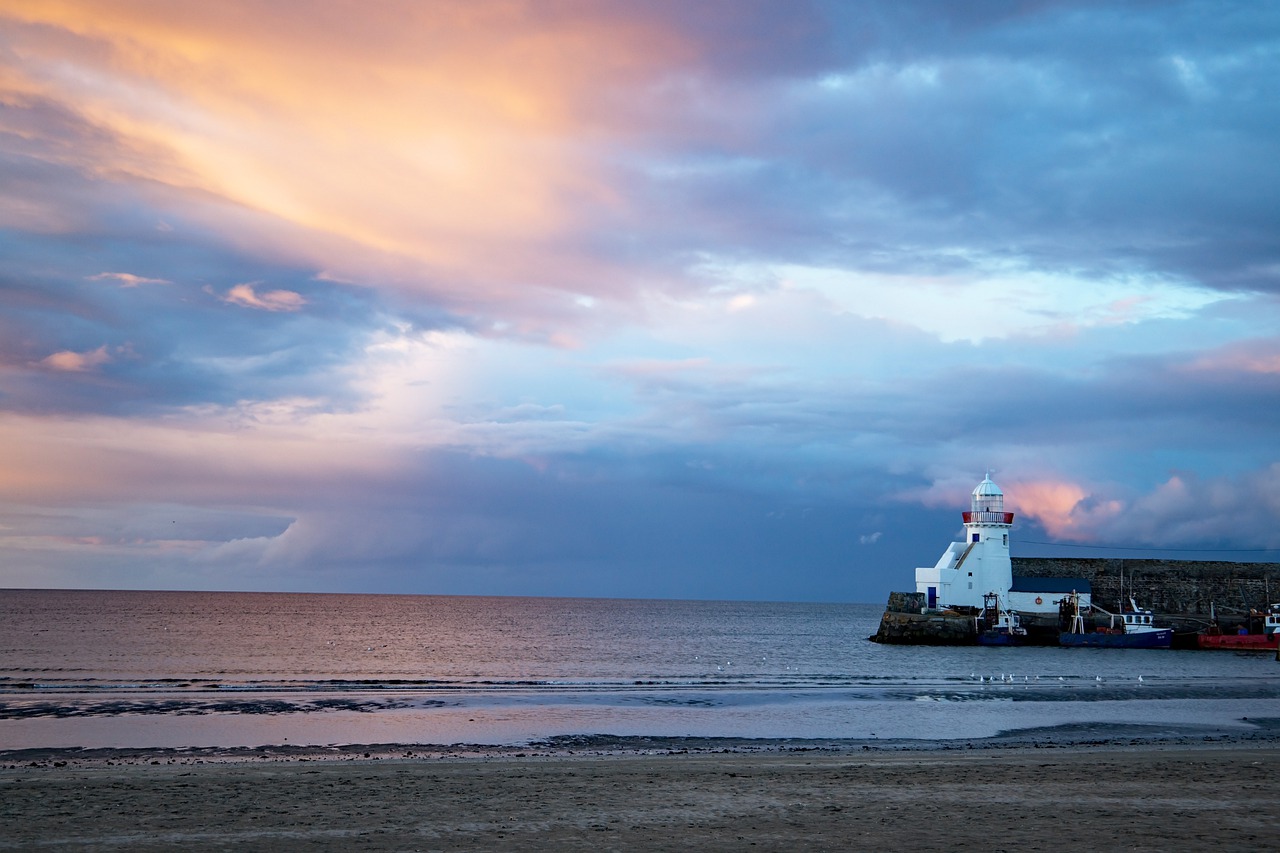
column 1001, row 303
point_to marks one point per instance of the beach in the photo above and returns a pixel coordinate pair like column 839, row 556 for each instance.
column 218, row 721
column 1171, row 796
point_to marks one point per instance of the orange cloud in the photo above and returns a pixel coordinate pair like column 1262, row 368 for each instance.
column 423, row 141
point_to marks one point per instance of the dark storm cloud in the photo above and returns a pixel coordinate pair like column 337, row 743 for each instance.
column 1052, row 136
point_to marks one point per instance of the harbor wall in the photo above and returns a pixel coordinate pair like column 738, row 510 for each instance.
column 1166, row 586
column 1180, row 592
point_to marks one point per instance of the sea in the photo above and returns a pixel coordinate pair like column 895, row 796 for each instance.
column 175, row 670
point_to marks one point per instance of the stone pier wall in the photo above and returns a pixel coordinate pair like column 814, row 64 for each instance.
column 932, row 629
column 1166, row 586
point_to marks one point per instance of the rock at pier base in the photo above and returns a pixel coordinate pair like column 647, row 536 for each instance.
column 926, row 629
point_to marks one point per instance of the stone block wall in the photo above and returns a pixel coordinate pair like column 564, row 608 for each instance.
column 1166, row 586
column 906, row 602
column 925, row 629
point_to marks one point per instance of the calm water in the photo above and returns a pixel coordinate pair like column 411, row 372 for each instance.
column 80, row 668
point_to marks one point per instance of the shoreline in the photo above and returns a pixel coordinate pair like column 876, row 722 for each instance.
column 1265, row 733
column 1150, row 796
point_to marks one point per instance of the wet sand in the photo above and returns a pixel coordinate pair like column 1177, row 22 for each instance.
column 1150, row 797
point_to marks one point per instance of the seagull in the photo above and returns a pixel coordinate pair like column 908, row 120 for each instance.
column 1097, row 678
column 1140, row 678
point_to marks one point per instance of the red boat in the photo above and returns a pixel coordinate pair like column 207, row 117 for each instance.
column 1238, row 642
column 1268, row 640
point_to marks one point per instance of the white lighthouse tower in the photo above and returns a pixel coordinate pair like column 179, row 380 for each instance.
column 968, row 570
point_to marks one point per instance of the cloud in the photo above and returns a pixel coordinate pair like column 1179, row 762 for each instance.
column 599, row 297
column 271, row 300
column 77, row 362
column 1182, row 511
column 1054, row 504
column 517, row 168
column 1252, row 356
column 469, row 144
column 127, row 279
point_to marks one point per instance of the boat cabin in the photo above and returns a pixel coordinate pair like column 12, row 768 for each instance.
column 1135, row 620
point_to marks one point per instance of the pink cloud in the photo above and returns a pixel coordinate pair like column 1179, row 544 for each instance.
column 1063, row 508
column 127, row 279
column 272, row 300
column 1183, row 509
column 1258, row 356
column 77, row 362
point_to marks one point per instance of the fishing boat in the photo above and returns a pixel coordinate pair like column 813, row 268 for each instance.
column 1245, row 639
column 997, row 627
column 1007, row 631
column 1131, row 629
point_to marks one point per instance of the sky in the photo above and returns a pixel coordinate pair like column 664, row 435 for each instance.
column 722, row 300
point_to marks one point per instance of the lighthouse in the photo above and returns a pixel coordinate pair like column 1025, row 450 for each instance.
column 980, row 564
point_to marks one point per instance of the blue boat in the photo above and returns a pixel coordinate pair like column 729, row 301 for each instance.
column 1135, row 630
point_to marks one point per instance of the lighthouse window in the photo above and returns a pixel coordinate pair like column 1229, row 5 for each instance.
column 975, row 537
column 1006, row 540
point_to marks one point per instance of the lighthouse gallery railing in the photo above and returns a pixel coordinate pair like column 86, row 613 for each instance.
column 988, row 518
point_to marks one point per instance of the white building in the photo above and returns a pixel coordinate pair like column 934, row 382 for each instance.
column 969, row 570
column 1041, row 595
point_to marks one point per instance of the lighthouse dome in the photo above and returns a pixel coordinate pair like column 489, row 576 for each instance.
column 987, row 497
column 987, row 489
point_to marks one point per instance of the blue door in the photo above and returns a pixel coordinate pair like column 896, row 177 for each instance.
column 933, row 597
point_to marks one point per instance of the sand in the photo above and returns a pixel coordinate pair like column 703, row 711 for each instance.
column 1222, row 797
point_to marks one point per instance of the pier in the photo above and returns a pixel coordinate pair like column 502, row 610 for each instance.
column 1188, row 596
